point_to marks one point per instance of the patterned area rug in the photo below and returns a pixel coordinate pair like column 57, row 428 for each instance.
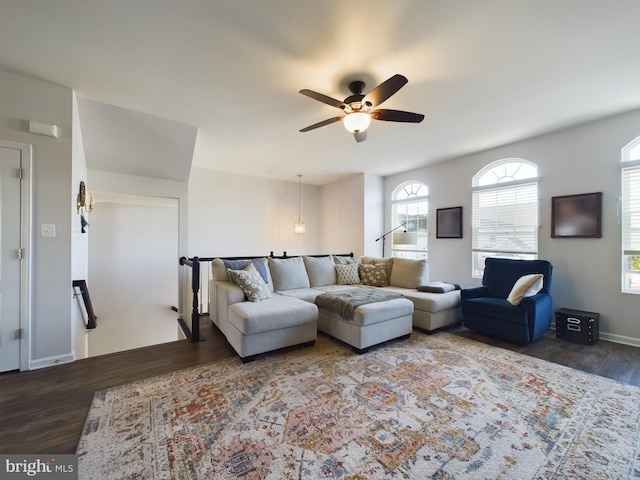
column 439, row 407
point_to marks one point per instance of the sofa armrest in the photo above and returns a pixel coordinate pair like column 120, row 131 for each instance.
column 474, row 292
column 226, row 294
column 539, row 311
column 537, row 304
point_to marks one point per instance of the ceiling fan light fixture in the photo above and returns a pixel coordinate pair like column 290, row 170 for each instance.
column 358, row 109
column 357, row 122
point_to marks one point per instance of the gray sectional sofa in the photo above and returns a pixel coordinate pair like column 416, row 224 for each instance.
column 269, row 303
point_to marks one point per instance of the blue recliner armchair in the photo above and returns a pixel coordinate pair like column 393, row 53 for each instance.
column 487, row 310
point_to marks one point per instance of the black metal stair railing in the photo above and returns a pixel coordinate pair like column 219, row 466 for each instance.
column 189, row 290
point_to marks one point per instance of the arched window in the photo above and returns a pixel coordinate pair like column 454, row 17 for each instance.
column 505, row 212
column 631, row 217
column 409, row 211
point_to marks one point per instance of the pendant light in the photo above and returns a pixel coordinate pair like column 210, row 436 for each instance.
column 299, row 228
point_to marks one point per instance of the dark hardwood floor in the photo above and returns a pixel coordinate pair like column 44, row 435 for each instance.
column 607, row 359
column 43, row 411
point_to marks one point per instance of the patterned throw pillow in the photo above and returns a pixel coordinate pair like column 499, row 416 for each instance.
column 251, row 283
column 348, row 274
column 373, row 275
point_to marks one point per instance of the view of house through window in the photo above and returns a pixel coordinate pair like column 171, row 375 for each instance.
column 631, row 217
column 409, row 211
column 505, row 212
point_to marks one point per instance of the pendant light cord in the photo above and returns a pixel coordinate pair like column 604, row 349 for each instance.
column 299, row 194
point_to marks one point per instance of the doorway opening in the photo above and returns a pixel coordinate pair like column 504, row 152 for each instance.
column 133, row 271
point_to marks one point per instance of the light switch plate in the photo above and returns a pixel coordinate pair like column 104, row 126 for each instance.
column 48, row 230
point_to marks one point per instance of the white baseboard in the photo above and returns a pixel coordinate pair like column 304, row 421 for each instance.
column 634, row 342
column 50, row 361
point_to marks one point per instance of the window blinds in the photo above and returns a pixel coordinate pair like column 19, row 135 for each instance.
column 631, row 210
column 505, row 219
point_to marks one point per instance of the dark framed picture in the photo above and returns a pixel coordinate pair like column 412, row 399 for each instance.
column 449, row 222
column 577, row 216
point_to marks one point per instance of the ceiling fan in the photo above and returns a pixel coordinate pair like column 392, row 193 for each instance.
column 359, row 109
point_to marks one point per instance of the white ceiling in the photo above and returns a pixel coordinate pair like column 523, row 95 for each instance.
column 484, row 72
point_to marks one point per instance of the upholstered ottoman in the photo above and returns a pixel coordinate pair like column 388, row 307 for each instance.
column 372, row 323
column 277, row 322
column 433, row 310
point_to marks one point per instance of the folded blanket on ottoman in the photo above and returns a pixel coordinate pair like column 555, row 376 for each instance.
column 343, row 303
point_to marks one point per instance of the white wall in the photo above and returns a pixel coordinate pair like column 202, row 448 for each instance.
column 374, row 225
column 133, row 272
column 231, row 214
column 343, row 215
column 79, row 243
column 23, row 99
column 352, row 215
column 107, row 182
column 583, row 159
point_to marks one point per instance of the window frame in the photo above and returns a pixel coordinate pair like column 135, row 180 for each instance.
column 420, row 249
column 629, row 167
column 500, row 186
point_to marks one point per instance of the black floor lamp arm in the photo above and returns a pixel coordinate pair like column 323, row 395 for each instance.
column 384, row 236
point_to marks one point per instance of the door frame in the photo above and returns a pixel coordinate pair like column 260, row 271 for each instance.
column 26, row 161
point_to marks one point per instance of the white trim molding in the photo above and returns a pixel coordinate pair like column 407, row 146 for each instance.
column 611, row 337
column 51, row 361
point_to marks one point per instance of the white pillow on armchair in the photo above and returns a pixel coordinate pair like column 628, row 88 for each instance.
column 525, row 286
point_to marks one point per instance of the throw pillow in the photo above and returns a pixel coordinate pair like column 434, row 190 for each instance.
column 525, row 286
column 348, row 274
column 321, row 270
column 251, row 283
column 388, row 263
column 409, row 273
column 339, row 260
column 288, row 273
column 373, row 275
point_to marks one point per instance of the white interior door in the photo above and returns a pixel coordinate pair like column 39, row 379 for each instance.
column 10, row 164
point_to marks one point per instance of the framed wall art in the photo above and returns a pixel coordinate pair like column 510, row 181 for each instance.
column 449, row 222
column 577, row 216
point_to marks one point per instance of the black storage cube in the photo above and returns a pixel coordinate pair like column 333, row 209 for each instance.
column 577, row 325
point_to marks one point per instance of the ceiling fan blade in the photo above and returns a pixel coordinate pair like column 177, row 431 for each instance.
column 360, row 136
column 397, row 116
column 328, row 121
column 323, row 98
column 383, row 91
